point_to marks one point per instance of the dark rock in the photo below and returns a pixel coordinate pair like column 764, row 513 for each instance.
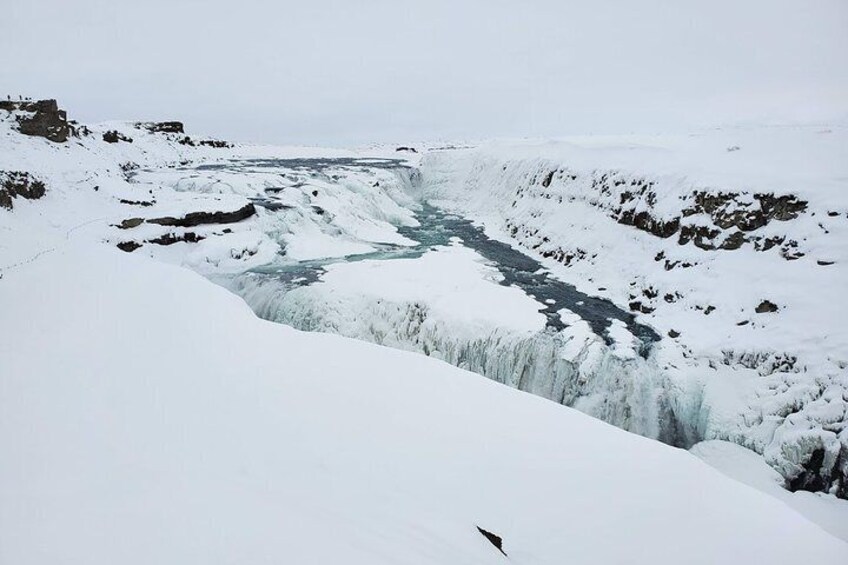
column 314, row 193
column 494, row 539
column 824, row 263
column 144, row 203
column 766, row 306
column 673, row 334
column 637, row 306
column 407, row 149
column 129, row 246
column 789, row 250
column 645, row 222
column 726, row 212
column 131, row 223
column 768, row 243
column 129, row 167
column 161, row 127
column 781, row 208
column 170, row 238
column 733, row 241
column 199, row 218
column 216, row 143
column 546, row 182
column 19, row 183
column 743, row 323
column 41, row 118
column 702, row 236
column 114, row 136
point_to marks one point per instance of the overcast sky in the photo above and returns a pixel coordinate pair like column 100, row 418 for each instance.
column 333, row 72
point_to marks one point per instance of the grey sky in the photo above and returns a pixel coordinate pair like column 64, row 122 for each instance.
column 337, row 72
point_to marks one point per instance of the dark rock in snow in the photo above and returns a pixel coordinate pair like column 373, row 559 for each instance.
column 144, row 203
column 199, row 218
column 19, row 183
column 673, row 334
column 493, row 539
column 170, row 238
column 129, row 246
column 637, row 306
column 216, row 143
column 131, row 223
column 645, row 222
column 114, row 136
column 161, row 127
column 766, row 306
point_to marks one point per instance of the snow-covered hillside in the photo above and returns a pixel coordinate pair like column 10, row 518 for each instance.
column 147, row 415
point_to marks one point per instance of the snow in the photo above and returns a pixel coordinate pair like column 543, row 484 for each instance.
column 314, row 244
column 749, row 468
column 167, row 423
column 453, row 282
column 147, row 415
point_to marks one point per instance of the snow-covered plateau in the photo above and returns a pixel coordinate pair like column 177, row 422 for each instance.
column 689, row 289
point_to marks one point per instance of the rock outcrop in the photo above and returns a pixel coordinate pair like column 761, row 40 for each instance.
column 161, row 127
column 199, row 218
column 18, row 183
column 114, row 136
column 40, row 118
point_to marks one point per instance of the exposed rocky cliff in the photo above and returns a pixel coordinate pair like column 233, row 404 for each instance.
column 40, row 118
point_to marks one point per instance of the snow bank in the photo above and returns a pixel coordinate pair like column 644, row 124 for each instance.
column 147, row 416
